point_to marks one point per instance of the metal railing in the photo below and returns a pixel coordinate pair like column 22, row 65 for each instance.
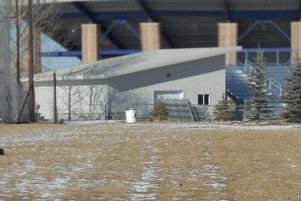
column 274, row 56
column 270, row 82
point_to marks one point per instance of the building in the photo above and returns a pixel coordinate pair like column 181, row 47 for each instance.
column 128, row 26
column 99, row 29
column 105, row 89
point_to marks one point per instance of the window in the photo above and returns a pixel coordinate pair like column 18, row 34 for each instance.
column 206, row 99
column 203, row 99
column 200, row 99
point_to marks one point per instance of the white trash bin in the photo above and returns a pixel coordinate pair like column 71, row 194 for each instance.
column 130, row 115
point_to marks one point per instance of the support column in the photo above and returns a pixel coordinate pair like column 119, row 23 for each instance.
column 90, row 38
column 227, row 37
column 295, row 41
column 37, row 50
column 150, row 36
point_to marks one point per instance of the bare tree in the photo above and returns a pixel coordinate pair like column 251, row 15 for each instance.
column 81, row 102
column 45, row 20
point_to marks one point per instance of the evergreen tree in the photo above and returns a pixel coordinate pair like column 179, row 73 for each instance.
column 159, row 112
column 222, row 110
column 292, row 97
column 259, row 104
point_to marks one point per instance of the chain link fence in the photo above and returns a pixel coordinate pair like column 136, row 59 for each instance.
column 143, row 112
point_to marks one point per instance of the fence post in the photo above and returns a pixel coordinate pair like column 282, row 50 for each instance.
column 54, row 99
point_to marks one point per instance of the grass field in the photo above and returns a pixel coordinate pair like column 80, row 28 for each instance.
column 149, row 162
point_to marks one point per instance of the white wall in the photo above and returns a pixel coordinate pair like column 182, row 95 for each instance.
column 80, row 100
column 44, row 98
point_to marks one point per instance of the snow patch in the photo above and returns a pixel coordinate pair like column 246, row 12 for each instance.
column 144, row 189
column 215, row 180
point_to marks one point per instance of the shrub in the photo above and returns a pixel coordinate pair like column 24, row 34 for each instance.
column 292, row 96
column 159, row 112
column 223, row 111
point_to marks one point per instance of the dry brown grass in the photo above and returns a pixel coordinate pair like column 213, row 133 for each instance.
column 140, row 162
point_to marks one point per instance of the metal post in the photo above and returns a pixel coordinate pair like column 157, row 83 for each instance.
column 31, row 64
column 277, row 57
column 54, row 99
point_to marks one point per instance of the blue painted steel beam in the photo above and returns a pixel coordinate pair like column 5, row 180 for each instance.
column 149, row 13
column 247, row 31
column 257, row 15
column 78, row 53
column 123, row 22
column 85, row 12
column 281, row 30
column 276, row 26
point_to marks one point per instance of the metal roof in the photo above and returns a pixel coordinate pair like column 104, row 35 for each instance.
column 123, row 65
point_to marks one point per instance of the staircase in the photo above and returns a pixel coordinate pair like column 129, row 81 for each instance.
column 179, row 110
column 201, row 113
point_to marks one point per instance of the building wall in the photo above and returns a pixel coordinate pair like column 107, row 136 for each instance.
column 99, row 99
column 44, row 99
column 206, row 76
column 76, row 100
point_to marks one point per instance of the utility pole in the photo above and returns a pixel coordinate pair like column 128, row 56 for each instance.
column 31, row 64
column 18, row 41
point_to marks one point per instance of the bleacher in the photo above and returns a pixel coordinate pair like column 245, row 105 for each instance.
column 238, row 80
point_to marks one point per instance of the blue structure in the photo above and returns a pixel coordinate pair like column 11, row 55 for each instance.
column 185, row 24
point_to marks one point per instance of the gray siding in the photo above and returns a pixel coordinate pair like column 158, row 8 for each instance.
column 206, row 76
